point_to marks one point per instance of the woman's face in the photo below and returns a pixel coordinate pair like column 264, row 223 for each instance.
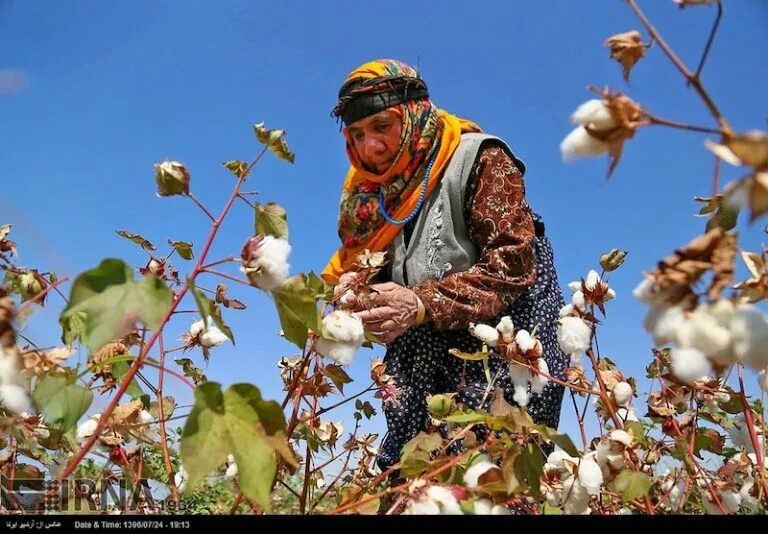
column 376, row 139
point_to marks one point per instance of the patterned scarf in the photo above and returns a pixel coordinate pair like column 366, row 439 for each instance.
column 427, row 133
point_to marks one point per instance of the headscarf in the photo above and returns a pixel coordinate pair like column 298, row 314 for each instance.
column 428, row 133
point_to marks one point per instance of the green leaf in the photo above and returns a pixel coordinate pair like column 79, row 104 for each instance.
column 529, row 466
column 232, row 422
column 368, row 410
column 632, row 484
column 421, row 442
column 183, row 248
column 208, row 308
column 61, row 400
column 733, row 405
column 275, row 140
column 469, row 356
column 297, row 309
column 321, row 289
column 12, row 282
column 564, row 442
column 338, row 375
column 119, row 369
column 136, row 238
column 548, row 509
column 236, row 167
column 271, row 219
column 71, row 327
column 112, row 302
column 708, row 439
column 169, row 406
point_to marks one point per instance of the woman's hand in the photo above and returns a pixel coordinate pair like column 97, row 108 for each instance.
column 392, row 309
column 344, row 297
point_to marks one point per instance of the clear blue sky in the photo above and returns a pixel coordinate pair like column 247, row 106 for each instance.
column 112, row 88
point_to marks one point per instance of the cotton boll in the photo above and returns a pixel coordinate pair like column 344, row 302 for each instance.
column 622, row 394
column 595, row 113
column 506, row 328
column 520, row 377
column 527, row 343
column 212, row 337
column 477, row 470
column 574, row 335
column 87, row 428
column 576, row 361
column 558, row 457
column 485, row 333
column 675, row 495
column 265, row 261
column 762, row 380
column 749, row 328
column 590, row 476
column 435, row 500
column 231, row 471
column 197, row 327
column 702, row 331
column 566, row 310
column 486, row 507
column 181, row 478
column 341, row 353
column 666, row 326
column 579, row 144
column 626, row 414
column 345, row 327
column 578, row 301
column 575, row 499
column 145, row 418
column 592, row 281
column 690, row 365
column 15, row 398
column 539, row 381
column 648, row 291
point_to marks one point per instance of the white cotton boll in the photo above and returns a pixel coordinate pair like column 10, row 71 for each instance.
column 762, row 380
column 341, row 353
column 231, row 471
column 690, row 365
column 609, row 295
column 627, row 414
column 525, row 342
column 552, row 497
column 230, row 459
column 590, row 476
column 486, row 507
column 477, row 470
column 506, row 328
column 268, row 269
column 703, row 331
column 575, row 498
column 15, row 398
column 86, row 429
column 520, row 377
column 573, row 335
column 422, row 507
column 651, row 317
column 145, row 418
column 576, row 361
column 197, row 327
column 749, row 329
column 669, row 321
column 566, row 310
column 722, row 310
column 212, row 337
column 593, row 279
column 10, row 366
column 752, row 504
column 731, row 501
column 739, row 434
column 539, row 381
column 574, row 286
column 345, row 327
column 579, row 144
column 180, row 479
column 445, row 500
column 675, row 495
column 622, row 393
column 647, row 291
column 485, row 333
column 622, row 437
column 557, row 458
column 595, row 113
column 578, row 301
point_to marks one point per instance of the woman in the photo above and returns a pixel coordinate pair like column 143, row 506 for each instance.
column 448, row 204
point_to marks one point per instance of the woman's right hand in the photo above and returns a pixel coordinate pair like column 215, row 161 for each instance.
column 343, row 296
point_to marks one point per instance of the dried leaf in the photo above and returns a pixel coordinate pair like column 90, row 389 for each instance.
column 224, row 300
column 136, row 238
column 758, row 196
column 626, row 48
column 499, row 406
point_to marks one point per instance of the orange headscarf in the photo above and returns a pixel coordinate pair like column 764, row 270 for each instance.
column 428, row 133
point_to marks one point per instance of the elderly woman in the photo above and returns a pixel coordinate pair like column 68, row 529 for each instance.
column 448, row 204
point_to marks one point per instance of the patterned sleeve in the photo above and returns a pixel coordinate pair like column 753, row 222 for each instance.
column 501, row 227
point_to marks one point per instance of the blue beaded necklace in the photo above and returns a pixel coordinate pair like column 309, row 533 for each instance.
column 422, row 196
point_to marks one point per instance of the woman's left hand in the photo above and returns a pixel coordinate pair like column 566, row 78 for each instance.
column 394, row 310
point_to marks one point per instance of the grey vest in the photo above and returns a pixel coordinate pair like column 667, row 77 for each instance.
column 440, row 243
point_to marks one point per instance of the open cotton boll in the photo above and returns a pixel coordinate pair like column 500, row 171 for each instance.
column 477, row 470
column 486, row 507
column 594, row 112
column 762, row 380
column 539, row 381
column 578, row 301
column 15, row 398
column 506, row 328
column 749, row 329
column 485, row 333
column 180, row 479
column 590, row 476
column 667, row 324
column 520, row 377
column 648, row 291
column 690, row 365
column 86, row 429
column 592, row 281
column 348, row 335
column 575, row 499
column 622, row 393
column 265, row 261
column 212, row 337
column 573, row 335
column 675, row 495
column 436, row 500
column 527, row 343
column 231, row 472
column 627, row 414
column 579, row 144
column 702, row 331
column 341, row 353
column 566, row 310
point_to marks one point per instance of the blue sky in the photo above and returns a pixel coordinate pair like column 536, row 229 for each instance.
column 111, row 88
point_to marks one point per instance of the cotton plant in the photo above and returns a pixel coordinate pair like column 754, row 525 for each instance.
column 523, row 353
column 434, row 499
column 14, row 394
column 571, row 482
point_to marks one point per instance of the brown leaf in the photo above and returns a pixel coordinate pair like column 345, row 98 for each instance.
column 221, row 298
column 751, row 148
column 685, row 3
column 628, row 116
column 125, row 413
column 499, row 406
column 626, row 48
column 758, row 196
